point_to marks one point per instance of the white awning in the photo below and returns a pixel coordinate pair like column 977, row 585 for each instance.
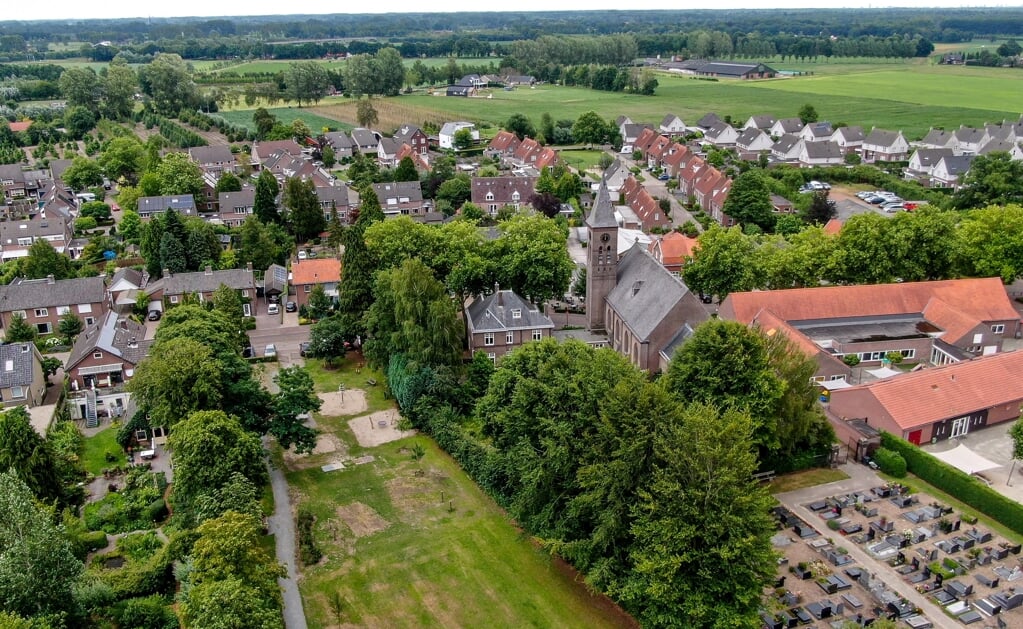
column 884, row 372
column 832, row 385
column 965, row 459
column 88, row 371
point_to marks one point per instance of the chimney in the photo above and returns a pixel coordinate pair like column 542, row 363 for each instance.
column 49, row 279
column 166, row 273
column 124, row 324
column 209, row 270
column 248, row 267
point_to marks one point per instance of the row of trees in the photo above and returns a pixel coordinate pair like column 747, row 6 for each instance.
column 928, row 244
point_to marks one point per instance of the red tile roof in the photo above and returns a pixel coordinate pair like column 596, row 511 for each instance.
column 318, row 271
column 504, row 142
column 833, row 227
column 675, row 248
column 20, row 126
column 931, row 395
column 645, row 140
column 644, row 205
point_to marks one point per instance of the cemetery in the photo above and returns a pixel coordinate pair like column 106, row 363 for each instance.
column 971, row 574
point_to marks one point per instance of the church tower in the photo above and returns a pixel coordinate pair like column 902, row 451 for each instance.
column 602, row 258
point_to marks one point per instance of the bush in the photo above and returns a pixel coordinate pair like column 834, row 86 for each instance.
column 851, row 359
column 92, row 541
column 308, row 552
column 834, row 525
column 150, row 612
column 890, row 462
column 157, row 511
column 952, row 481
column 85, row 223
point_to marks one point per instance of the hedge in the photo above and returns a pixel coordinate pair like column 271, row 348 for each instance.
column 956, row 483
column 891, row 462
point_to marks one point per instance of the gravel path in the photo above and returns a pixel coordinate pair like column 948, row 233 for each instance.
column 282, row 527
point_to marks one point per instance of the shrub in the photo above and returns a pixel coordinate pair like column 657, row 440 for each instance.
column 140, row 546
column 851, row 359
column 85, row 223
column 308, row 552
column 891, row 462
column 952, row 481
column 92, row 541
column 150, row 612
column 834, row 525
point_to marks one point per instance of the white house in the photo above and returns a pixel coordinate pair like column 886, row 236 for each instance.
column 849, row 139
column 446, row 137
column 885, row 146
column 672, row 125
column 948, row 172
column 764, row 122
column 820, row 154
column 721, row 134
column 787, row 148
column 753, row 140
column 786, row 126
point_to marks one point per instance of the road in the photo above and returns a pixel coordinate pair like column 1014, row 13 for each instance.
column 282, row 527
column 862, row 478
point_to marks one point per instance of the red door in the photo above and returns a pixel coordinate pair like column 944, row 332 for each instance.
column 914, row 437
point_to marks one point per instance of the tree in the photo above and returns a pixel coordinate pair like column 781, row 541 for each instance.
column 97, row 210
column 365, row 113
column 327, row 156
column 82, row 173
column 69, row 327
column 172, row 254
column 749, row 201
column 993, row 179
column 38, row 571
column 297, row 397
column 355, row 291
column 25, row 452
column 319, row 304
column 721, row 264
column 228, row 182
column 531, row 258
column 228, row 302
column 990, row 242
column 360, row 76
column 455, row 191
column 329, row 339
column 590, row 129
column 413, row 314
column 130, row 226
column 43, row 261
column 808, row 114
column 19, row 330
column 80, row 87
column 238, row 494
column 168, row 81
column 1016, row 432
column 179, row 175
column 579, row 286
column 522, row 127
column 265, row 205
column 180, row 378
column 78, row 121
column 256, row 245
column 1009, row 48
column 306, row 81
column 821, row 209
column 304, row 213
column 390, row 71
column 209, row 447
column 463, row 139
column 406, row 170
column 119, row 88
column 699, row 510
column 264, row 121
column 546, row 128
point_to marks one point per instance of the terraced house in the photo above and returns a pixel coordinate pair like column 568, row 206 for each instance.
column 43, row 302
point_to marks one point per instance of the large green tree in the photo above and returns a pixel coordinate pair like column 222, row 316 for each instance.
column 304, row 213
column 590, row 128
column 990, row 242
column 355, row 291
column 19, row 330
column 179, row 377
column 329, row 339
column 82, row 173
column 43, row 260
column 296, row 397
column 532, row 259
column 123, row 158
column 80, row 87
column 523, row 127
column 38, row 571
column 306, row 81
column 702, row 551
column 265, row 205
column 749, row 200
column 993, row 179
column 390, row 71
column 167, row 80
column 26, row 453
column 722, row 263
column 179, row 175
column 119, row 87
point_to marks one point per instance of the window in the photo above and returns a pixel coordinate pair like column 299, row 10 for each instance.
column 43, row 328
column 17, row 393
column 84, row 308
column 516, row 313
column 490, row 196
column 908, row 353
column 42, row 312
column 174, row 299
column 90, row 320
column 509, row 338
column 537, row 335
column 19, row 313
column 63, row 310
column 308, row 288
column 493, row 357
column 488, row 338
column 998, row 328
column 97, row 354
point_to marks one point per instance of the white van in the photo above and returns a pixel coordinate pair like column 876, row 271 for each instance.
column 85, row 197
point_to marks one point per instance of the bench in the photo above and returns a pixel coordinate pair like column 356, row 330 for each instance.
column 764, row 477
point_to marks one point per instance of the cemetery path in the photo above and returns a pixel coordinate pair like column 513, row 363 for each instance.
column 861, row 478
column 282, row 527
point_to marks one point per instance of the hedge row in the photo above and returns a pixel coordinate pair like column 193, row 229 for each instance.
column 956, row 483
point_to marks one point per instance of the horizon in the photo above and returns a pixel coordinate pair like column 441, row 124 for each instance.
column 120, row 9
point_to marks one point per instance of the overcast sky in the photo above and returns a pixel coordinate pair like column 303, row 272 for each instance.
column 78, row 9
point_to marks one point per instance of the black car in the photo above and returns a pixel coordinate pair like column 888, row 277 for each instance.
column 154, row 315
column 707, row 299
column 248, row 352
column 303, row 348
column 290, row 306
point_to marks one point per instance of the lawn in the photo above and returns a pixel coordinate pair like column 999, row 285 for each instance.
column 806, row 478
column 286, row 115
column 430, row 549
column 96, row 448
column 581, row 159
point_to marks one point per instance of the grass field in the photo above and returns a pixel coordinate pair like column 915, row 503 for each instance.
column 580, row 159
column 400, row 556
column 286, row 115
column 806, row 478
column 96, row 447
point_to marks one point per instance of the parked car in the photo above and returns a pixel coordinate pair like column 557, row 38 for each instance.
column 302, row 255
column 248, row 352
column 154, row 315
column 270, row 351
column 273, row 309
column 664, row 177
column 303, row 347
column 290, row 307
column 892, row 208
column 275, row 299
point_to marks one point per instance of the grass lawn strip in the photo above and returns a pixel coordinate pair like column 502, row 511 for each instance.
column 96, row 448
column 805, row 478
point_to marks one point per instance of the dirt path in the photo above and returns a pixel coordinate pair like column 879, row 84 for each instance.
column 282, row 526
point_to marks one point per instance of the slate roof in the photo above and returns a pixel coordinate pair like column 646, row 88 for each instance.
column 493, row 313
column 669, row 119
column 336, row 194
column 790, row 125
column 851, row 134
column 172, row 202
column 502, row 189
column 207, row 281
column 952, row 391
column 823, row 150
column 930, row 157
column 748, row 136
column 786, row 143
column 763, row 121
column 405, row 132
column 364, row 138
column 12, row 172
column 881, row 137
column 632, row 130
column 22, row 294
column 603, row 213
column 21, row 357
column 819, row 130
column 389, row 146
column 708, row 120
column 230, row 202
column 938, row 137
column 725, row 68
column 35, row 228
column 339, row 140
column 119, row 336
column 130, row 275
column 646, row 293
column 411, row 189
column 718, row 129
column 970, row 135
column 957, row 164
column 992, row 146
column 215, row 154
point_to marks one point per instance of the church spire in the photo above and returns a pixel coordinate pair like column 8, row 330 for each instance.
column 603, row 213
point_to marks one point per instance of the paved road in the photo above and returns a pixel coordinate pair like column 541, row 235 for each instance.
column 862, row 478
column 282, row 527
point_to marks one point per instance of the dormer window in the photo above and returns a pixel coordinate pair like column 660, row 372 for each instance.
column 516, row 313
column 490, row 196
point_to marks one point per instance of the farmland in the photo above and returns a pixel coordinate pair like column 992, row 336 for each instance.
column 286, row 115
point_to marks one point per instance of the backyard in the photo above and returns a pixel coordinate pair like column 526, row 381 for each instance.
column 411, row 543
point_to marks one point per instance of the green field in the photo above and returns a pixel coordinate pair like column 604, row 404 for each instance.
column 272, row 66
column 96, row 448
column 580, row 160
column 429, row 549
column 286, row 115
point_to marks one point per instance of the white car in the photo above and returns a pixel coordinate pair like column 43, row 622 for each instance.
column 270, row 351
column 302, row 255
column 273, row 309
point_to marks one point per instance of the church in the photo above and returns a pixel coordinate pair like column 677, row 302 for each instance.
column 645, row 311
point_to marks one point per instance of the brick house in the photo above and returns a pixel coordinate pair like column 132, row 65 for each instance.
column 215, row 160
column 183, row 204
column 22, row 381
column 16, row 237
column 236, row 207
column 644, row 205
column 400, row 197
column 884, row 146
column 493, row 193
column 202, row 285
column 504, row 144
column 503, row 321
column 413, row 136
column 43, row 302
column 106, row 353
column 305, row 274
column 672, row 250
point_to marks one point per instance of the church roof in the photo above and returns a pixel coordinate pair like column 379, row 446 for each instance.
column 603, row 214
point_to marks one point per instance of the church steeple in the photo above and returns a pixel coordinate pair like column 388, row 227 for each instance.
column 602, row 257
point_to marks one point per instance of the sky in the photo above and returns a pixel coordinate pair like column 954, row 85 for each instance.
column 79, row 9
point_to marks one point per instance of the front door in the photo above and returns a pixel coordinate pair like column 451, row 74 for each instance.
column 960, row 427
column 915, row 436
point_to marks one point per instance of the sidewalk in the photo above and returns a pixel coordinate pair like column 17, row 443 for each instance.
column 862, row 478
